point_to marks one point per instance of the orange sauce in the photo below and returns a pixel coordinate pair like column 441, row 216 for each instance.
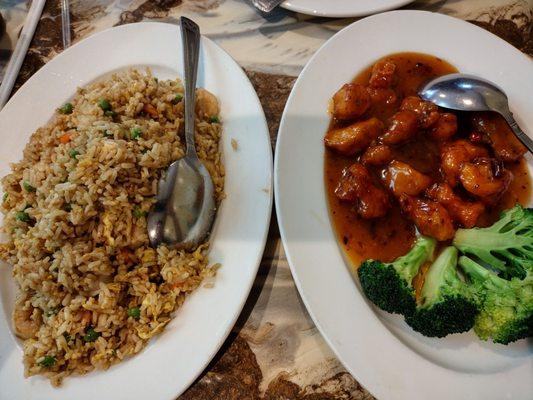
column 391, row 236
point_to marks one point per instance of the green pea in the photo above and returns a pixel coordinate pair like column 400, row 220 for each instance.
column 134, row 312
column 65, row 108
column 104, row 104
column 27, row 187
column 22, row 216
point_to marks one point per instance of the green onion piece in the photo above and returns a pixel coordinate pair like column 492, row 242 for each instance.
column 73, row 153
column 65, row 108
column 67, row 336
column 4, row 198
column 68, row 207
column 177, row 99
column 47, row 361
column 134, row 312
column 214, row 119
column 135, row 133
column 138, row 213
column 104, row 104
column 110, row 113
column 27, row 187
column 91, row 335
column 155, row 79
column 22, row 216
column 50, row 312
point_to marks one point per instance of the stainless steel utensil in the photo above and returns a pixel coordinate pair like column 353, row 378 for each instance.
column 183, row 214
column 464, row 92
column 266, row 5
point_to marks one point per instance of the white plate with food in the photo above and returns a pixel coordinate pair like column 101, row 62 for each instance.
column 363, row 167
column 91, row 296
column 342, row 8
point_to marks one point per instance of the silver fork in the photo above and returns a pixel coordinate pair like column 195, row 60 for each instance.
column 266, row 5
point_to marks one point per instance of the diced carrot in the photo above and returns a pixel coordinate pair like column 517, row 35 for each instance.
column 150, row 109
column 86, row 317
column 65, row 138
column 125, row 255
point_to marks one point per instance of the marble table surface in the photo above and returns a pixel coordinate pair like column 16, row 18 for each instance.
column 274, row 351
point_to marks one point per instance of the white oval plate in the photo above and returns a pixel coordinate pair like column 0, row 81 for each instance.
column 342, row 8
column 380, row 350
column 171, row 361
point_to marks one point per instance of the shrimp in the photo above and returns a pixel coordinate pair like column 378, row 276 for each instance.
column 455, row 155
column 485, row 177
column 206, row 104
column 26, row 321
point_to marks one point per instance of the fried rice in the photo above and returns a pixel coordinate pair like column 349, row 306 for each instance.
column 91, row 290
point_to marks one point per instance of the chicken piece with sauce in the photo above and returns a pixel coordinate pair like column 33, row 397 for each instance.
column 401, row 178
column 351, row 101
column 403, row 126
column 382, row 74
column 380, row 154
column 445, row 127
column 354, row 138
column 428, row 113
column 466, row 213
column 356, row 185
column 499, row 136
column 430, row 217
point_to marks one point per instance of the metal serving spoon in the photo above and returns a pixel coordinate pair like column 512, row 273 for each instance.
column 464, row 92
column 185, row 208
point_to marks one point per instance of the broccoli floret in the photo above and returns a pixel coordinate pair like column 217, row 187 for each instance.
column 447, row 305
column 506, row 306
column 506, row 246
column 388, row 285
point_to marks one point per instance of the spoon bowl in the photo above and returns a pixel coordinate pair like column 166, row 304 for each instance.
column 185, row 206
column 464, row 92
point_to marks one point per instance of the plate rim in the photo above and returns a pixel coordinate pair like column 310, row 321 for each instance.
column 261, row 241
column 377, row 390
column 345, row 12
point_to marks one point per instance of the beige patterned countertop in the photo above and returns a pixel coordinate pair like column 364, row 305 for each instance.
column 275, row 350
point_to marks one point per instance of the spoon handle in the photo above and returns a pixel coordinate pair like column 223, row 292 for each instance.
column 190, row 33
column 519, row 133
